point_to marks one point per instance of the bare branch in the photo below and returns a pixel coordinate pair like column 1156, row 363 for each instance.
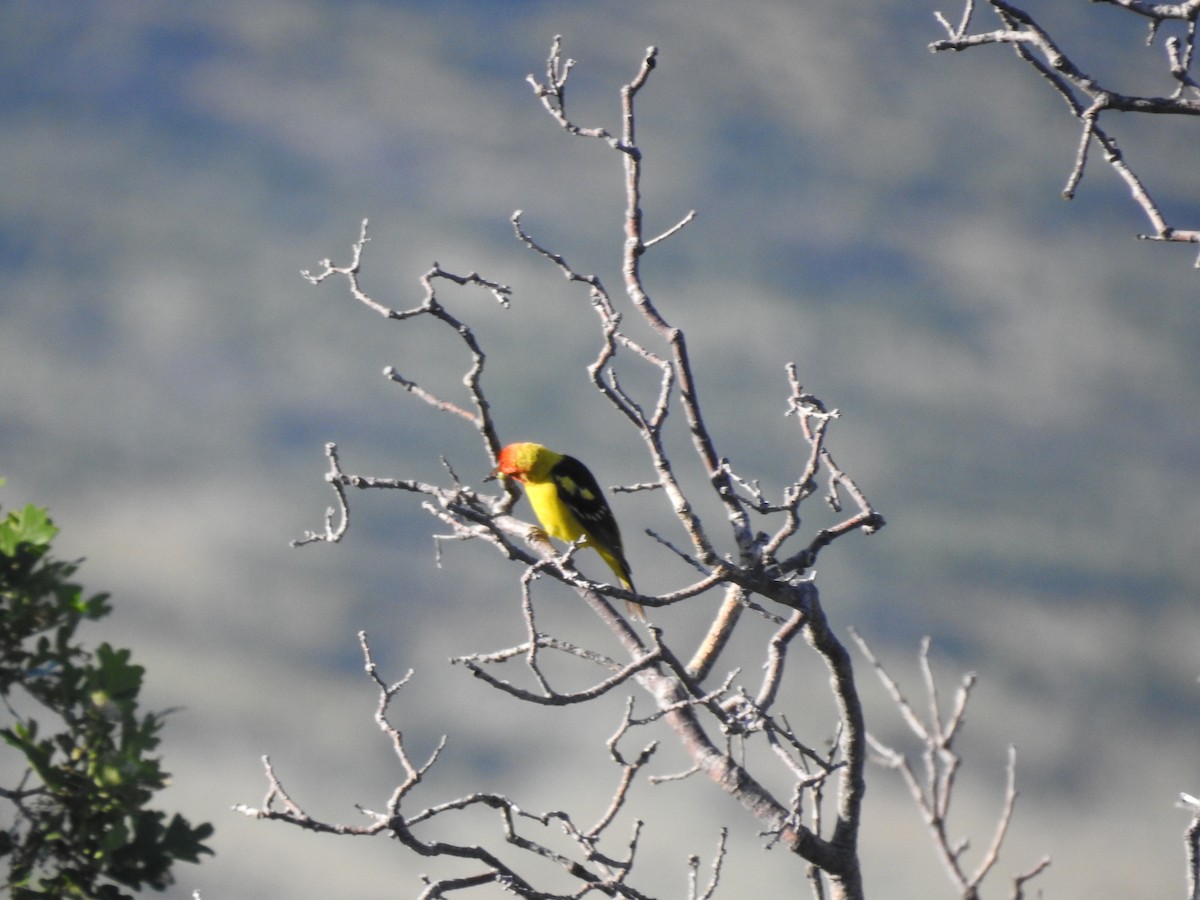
column 992, row 856
column 719, row 633
column 933, row 794
column 673, row 230
column 594, row 870
column 1087, row 98
column 1191, row 840
column 715, row 878
column 551, row 697
column 1188, row 11
column 335, row 479
column 1019, row 880
column 776, row 653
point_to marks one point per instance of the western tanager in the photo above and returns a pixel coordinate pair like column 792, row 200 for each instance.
column 569, row 504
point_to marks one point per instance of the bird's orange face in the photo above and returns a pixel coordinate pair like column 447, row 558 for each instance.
column 514, row 461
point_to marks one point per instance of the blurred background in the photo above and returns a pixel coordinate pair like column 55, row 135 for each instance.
column 1016, row 375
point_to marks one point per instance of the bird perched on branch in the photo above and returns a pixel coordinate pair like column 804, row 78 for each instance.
column 569, row 504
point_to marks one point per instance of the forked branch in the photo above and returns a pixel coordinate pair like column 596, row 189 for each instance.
column 933, row 789
column 1088, row 98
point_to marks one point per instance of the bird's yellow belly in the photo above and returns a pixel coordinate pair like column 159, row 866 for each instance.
column 554, row 517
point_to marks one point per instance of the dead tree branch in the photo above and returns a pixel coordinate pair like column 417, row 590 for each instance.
column 1087, row 98
column 768, row 578
column 933, row 791
column 1191, row 841
column 593, row 869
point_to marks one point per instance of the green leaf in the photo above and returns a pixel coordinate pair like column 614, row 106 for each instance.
column 30, row 525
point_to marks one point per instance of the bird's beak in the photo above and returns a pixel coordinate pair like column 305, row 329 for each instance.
column 496, row 473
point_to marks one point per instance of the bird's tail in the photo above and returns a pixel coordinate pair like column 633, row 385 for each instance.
column 621, row 570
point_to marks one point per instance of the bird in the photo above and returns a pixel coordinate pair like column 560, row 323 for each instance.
column 569, row 504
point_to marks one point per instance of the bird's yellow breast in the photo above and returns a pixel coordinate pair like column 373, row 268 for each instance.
column 551, row 512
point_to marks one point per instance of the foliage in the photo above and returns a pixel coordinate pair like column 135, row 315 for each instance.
column 80, row 823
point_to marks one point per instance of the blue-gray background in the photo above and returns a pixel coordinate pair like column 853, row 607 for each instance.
column 1017, row 377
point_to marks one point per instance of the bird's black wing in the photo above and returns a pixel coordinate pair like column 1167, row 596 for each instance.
column 578, row 489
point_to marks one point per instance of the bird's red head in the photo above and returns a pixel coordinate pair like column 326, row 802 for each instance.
column 516, row 460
